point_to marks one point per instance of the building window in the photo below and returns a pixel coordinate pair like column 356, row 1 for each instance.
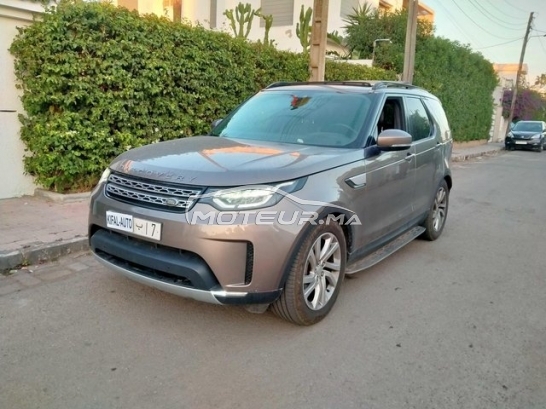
column 348, row 7
column 128, row 4
column 213, row 13
column 281, row 10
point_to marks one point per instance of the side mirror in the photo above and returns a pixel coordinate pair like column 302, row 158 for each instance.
column 215, row 123
column 394, row 140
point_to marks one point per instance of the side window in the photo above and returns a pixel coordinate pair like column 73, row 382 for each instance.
column 418, row 122
column 391, row 116
column 435, row 108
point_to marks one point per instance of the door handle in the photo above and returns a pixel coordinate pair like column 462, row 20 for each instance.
column 409, row 156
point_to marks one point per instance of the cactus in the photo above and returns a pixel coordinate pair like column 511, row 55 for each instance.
column 241, row 21
column 303, row 28
column 268, row 23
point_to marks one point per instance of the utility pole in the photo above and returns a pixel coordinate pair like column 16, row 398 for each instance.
column 411, row 38
column 518, row 76
column 319, row 29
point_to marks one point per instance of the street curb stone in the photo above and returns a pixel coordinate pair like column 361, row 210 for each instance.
column 41, row 253
column 62, row 198
column 465, row 157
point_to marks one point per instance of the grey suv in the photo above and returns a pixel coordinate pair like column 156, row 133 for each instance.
column 300, row 185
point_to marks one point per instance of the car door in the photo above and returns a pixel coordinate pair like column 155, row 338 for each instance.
column 386, row 201
column 427, row 152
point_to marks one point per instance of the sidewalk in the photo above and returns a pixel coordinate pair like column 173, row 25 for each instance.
column 34, row 229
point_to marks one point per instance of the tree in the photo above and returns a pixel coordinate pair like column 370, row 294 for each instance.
column 530, row 105
column 540, row 80
column 367, row 24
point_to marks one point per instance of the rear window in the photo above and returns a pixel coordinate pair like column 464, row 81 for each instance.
column 319, row 118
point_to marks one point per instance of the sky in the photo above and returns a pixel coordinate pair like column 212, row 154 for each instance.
column 495, row 28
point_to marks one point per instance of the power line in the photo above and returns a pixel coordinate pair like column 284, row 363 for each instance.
column 542, row 45
column 454, row 22
column 517, row 8
column 497, row 45
column 516, row 19
column 476, row 24
column 495, row 19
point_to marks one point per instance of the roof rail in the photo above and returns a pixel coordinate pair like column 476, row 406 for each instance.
column 353, row 83
column 393, row 84
column 374, row 85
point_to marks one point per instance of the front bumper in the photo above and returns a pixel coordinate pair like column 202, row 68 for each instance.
column 238, row 264
column 522, row 143
column 175, row 271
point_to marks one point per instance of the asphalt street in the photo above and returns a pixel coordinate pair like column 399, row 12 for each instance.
column 457, row 323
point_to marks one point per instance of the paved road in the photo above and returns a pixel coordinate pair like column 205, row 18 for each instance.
column 458, row 323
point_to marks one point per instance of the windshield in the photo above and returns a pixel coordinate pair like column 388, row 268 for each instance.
column 528, row 127
column 302, row 117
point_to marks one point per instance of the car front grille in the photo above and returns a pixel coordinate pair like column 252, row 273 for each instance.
column 152, row 194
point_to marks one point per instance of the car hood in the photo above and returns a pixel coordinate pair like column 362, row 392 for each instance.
column 525, row 133
column 216, row 161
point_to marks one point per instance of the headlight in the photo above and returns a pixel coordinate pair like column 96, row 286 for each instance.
column 509, row 135
column 102, row 180
column 251, row 197
column 537, row 136
column 104, row 176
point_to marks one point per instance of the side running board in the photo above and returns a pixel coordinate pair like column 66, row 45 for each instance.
column 384, row 251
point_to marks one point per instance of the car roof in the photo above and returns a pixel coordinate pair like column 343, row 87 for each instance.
column 364, row 87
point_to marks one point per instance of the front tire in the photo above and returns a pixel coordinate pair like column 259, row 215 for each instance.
column 315, row 276
column 437, row 215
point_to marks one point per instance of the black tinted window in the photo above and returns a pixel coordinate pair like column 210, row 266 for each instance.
column 303, row 117
column 418, row 122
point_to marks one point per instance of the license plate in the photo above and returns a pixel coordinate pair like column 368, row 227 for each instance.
column 135, row 225
column 521, row 143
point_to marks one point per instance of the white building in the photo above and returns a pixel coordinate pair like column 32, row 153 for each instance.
column 13, row 182
column 210, row 13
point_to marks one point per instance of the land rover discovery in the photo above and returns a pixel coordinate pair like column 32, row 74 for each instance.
column 300, row 185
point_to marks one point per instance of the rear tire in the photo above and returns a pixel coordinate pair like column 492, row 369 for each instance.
column 315, row 276
column 437, row 215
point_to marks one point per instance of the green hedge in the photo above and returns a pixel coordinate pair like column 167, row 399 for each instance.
column 98, row 80
column 463, row 79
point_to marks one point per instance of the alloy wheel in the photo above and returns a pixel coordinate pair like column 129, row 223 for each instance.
column 439, row 209
column 322, row 270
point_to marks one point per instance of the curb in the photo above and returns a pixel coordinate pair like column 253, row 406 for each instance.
column 60, row 197
column 41, row 253
column 463, row 157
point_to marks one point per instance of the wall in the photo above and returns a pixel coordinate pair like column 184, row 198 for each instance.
column 199, row 11
column 285, row 36
column 498, row 129
column 13, row 182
